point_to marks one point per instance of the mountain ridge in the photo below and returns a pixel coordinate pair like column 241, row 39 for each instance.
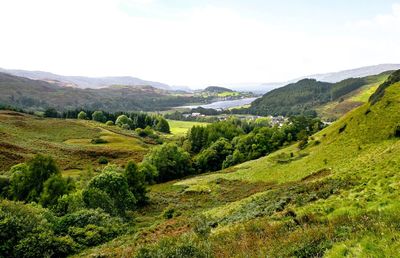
column 85, row 81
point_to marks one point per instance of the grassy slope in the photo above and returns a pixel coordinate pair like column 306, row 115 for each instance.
column 338, row 197
column 336, row 109
column 69, row 141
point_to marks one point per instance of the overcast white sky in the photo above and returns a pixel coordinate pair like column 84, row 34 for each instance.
column 198, row 42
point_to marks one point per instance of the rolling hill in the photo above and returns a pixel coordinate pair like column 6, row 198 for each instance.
column 307, row 95
column 35, row 94
column 337, row 197
column 68, row 141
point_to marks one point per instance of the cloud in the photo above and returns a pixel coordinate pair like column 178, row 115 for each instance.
column 386, row 22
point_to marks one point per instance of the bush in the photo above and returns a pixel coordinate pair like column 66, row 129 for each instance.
column 99, row 116
column 109, row 191
column 69, row 203
column 110, row 123
column 125, row 127
column 137, row 182
column 103, row 160
column 55, row 187
column 170, row 161
column 98, row 140
column 211, row 159
column 26, row 183
column 26, row 231
column 162, row 125
column 123, row 120
column 89, row 227
column 4, row 186
column 82, row 115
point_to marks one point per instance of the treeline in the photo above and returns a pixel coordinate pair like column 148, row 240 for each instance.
column 126, row 120
column 226, row 143
column 47, row 215
column 303, row 96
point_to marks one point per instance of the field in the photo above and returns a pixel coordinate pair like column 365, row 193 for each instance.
column 69, row 141
column 180, row 128
column 337, row 197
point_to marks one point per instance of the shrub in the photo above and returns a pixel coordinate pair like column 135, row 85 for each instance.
column 110, row 123
column 98, row 140
column 26, row 231
column 162, row 125
column 99, row 116
column 89, row 227
column 27, row 180
column 69, row 203
column 82, row 115
column 4, row 186
column 136, row 182
column 149, row 171
column 202, row 226
column 168, row 213
column 122, row 120
column 125, row 127
column 212, row 158
column 53, row 188
column 102, row 160
column 110, row 191
column 170, row 161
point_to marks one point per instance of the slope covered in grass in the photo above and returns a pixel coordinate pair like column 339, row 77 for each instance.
column 338, row 197
column 68, row 141
column 331, row 100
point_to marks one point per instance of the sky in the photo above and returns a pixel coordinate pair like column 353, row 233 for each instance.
column 198, row 42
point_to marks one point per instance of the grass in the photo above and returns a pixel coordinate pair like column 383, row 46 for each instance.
column 68, row 141
column 180, row 128
column 352, row 100
column 337, row 198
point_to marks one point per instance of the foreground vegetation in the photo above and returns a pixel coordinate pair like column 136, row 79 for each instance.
column 316, row 193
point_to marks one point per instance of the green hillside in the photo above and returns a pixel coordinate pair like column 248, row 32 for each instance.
column 330, row 100
column 217, row 89
column 35, row 95
column 338, row 197
column 69, row 141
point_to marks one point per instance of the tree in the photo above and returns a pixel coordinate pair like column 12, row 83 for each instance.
column 51, row 112
column 170, row 161
column 162, row 125
column 82, row 115
column 99, row 116
column 27, row 180
column 136, row 182
column 211, row 159
column 54, row 187
column 122, row 120
column 113, row 188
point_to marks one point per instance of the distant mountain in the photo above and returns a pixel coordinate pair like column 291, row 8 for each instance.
column 37, row 95
column 329, row 77
column 354, row 73
column 85, row 82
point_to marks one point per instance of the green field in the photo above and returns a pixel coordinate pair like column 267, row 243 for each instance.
column 180, row 128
